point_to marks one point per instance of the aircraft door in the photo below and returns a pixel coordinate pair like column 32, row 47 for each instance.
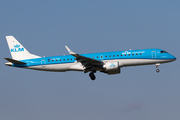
column 43, row 63
column 153, row 54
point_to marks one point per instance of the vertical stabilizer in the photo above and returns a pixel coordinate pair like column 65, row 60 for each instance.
column 18, row 52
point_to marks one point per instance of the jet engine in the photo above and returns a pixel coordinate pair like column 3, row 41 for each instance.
column 111, row 68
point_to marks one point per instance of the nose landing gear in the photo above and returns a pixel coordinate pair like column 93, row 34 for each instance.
column 157, row 65
column 92, row 76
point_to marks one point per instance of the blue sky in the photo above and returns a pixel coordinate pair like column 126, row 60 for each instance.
column 45, row 27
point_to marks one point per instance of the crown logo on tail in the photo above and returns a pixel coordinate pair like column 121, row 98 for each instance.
column 16, row 46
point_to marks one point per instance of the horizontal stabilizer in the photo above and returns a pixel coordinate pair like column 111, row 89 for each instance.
column 14, row 61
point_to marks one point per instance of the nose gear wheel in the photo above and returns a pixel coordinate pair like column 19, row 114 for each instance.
column 157, row 70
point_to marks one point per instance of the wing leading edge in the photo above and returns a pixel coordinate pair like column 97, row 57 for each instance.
column 82, row 59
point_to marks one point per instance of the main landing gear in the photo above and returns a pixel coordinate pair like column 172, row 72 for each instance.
column 157, row 65
column 92, row 76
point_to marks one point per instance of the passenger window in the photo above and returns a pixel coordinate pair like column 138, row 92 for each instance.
column 140, row 53
column 97, row 56
column 71, row 58
column 52, row 60
column 110, row 56
column 121, row 54
column 64, row 59
column 67, row 59
column 113, row 55
column 136, row 53
column 117, row 55
column 124, row 54
column 133, row 54
column 56, row 60
column 106, row 56
column 48, row 60
column 129, row 54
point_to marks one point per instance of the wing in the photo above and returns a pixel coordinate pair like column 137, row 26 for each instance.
column 87, row 62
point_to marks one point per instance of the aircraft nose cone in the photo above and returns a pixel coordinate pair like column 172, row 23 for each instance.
column 173, row 58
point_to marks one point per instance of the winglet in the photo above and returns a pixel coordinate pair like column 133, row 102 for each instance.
column 70, row 52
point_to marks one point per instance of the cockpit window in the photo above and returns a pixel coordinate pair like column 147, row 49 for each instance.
column 163, row 52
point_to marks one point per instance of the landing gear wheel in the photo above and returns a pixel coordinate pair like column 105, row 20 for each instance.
column 157, row 70
column 92, row 76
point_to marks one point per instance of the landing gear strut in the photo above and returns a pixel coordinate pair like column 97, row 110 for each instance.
column 157, row 65
column 92, row 76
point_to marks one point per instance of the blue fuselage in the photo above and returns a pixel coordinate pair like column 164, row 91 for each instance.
column 152, row 55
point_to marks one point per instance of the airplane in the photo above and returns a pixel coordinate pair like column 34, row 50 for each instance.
column 106, row 62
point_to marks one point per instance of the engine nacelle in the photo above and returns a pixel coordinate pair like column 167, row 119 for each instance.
column 112, row 68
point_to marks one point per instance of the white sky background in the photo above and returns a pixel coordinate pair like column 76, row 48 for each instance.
column 45, row 27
